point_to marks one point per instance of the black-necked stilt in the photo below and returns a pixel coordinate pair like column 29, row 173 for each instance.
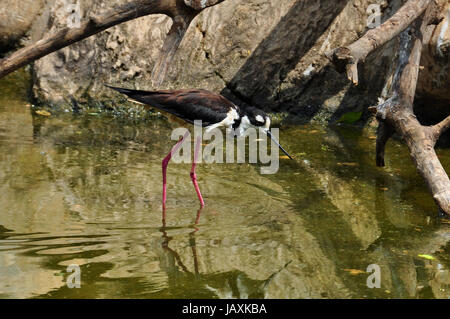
column 214, row 111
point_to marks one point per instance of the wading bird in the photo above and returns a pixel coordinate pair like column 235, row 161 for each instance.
column 214, row 111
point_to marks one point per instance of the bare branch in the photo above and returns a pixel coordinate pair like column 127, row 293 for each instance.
column 441, row 127
column 67, row 36
column 170, row 46
column 397, row 112
column 346, row 59
column 176, row 9
column 180, row 25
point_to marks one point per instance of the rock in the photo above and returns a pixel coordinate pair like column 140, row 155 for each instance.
column 267, row 53
column 16, row 18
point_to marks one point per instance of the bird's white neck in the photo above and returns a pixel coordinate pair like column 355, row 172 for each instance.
column 243, row 126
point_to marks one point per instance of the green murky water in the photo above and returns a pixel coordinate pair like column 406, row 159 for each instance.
column 86, row 190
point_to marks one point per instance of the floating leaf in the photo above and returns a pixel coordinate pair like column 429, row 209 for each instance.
column 355, row 272
column 350, row 117
column 429, row 257
column 43, row 113
column 284, row 157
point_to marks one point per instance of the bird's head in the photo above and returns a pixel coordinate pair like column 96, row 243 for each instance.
column 260, row 119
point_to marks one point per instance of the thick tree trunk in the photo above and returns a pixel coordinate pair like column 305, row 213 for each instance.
column 182, row 13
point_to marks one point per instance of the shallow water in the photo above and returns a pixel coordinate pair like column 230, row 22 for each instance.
column 86, row 190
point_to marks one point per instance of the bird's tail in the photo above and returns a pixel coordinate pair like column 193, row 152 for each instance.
column 128, row 92
column 156, row 99
column 145, row 97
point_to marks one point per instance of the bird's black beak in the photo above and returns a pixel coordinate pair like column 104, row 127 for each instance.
column 276, row 142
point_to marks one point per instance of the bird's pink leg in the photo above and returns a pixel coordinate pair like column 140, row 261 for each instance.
column 165, row 162
column 194, row 176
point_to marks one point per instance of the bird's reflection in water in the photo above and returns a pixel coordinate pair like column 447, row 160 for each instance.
column 229, row 285
column 192, row 244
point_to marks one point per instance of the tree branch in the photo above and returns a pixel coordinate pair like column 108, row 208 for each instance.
column 398, row 113
column 346, row 59
column 179, row 28
column 441, row 127
column 178, row 10
column 170, row 46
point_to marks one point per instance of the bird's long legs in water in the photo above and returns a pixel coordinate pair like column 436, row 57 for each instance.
column 166, row 161
column 193, row 175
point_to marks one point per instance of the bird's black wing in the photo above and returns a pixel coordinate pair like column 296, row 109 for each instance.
column 189, row 105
